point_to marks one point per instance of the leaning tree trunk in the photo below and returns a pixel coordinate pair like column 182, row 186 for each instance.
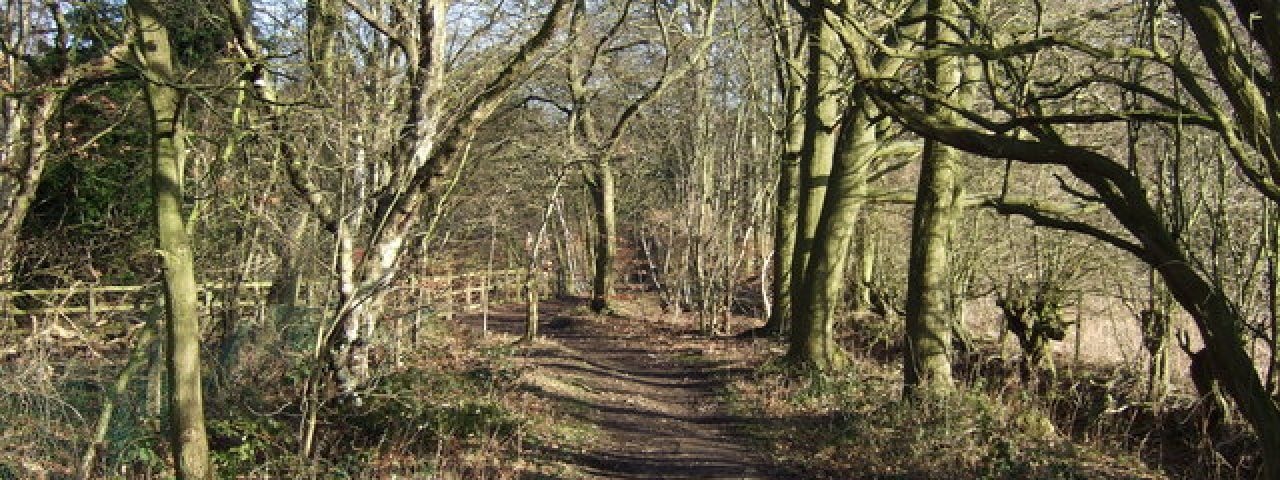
column 1219, row 324
column 186, row 404
column 24, row 156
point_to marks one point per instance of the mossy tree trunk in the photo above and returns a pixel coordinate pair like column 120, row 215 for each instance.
column 788, row 199
column 789, row 78
column 927, row 363
column 824, row 90
column 186, row 404
column 824, row 282
column 787, row 210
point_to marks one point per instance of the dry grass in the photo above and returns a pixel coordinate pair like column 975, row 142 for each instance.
column 1090, row 424
column 458, row 406
column 453, row 407
column 854, row 425
column 1108, row 331
column 48, row 397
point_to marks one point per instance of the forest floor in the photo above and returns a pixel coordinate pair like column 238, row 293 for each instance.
column 643, row 381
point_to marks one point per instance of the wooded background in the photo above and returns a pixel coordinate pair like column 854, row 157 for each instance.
column 1076, row 178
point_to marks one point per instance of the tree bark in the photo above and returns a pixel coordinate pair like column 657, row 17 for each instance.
column 927, row 363
column 186, row 403
column 606, row 225
column 813, row 337
column 788, row 206
column 822, row 104
column 823, row 92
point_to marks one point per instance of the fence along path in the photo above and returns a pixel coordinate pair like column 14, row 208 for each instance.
column 443, row 294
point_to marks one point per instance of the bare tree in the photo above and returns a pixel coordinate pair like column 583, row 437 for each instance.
column 1032, row 127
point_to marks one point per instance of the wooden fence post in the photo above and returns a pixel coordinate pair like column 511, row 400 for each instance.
column 93, row 304
column 484, row 299
column 6, row 311
column 466, row 291
column 208, row 300
column 448, row 295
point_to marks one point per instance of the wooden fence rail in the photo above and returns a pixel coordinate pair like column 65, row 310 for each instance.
column 466, row 290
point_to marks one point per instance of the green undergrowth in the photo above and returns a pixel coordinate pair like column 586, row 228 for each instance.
column 854, row 424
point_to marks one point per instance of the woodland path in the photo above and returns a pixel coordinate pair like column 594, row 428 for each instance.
column 643, row 383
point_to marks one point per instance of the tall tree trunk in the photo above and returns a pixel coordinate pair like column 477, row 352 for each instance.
column 813, row 337
column 606, row 225
column 822, row 104
column 702, row 238
column 788, row 205
column 927, row 365
column 323, row 21
column 186, row 404
column 823, row 92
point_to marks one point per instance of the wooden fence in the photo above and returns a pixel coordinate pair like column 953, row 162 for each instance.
column 444, row 294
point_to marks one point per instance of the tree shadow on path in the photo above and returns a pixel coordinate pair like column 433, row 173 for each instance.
column 658, row 407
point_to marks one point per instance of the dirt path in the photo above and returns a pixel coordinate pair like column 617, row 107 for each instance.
column 655, row 400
